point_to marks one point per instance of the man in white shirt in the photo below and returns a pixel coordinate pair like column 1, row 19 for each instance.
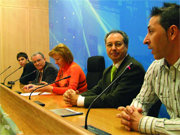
column 162, row 80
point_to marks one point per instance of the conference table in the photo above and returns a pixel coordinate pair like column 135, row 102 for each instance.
column 33, row 119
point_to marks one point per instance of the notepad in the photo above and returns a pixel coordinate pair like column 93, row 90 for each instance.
column 35, row 93
column 64, row 112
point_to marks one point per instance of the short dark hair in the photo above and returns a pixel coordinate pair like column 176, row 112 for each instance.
column 125, row 36
column 169, row 15
column 22, row 54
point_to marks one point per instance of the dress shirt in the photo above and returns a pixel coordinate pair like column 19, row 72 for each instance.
column 161, row 82
column 49, row 74
column 80, row 101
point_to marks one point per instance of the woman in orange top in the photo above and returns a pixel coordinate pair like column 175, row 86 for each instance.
column 64, row 59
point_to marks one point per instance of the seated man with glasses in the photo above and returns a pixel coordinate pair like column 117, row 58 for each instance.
column 46, row 72
column 124, row 89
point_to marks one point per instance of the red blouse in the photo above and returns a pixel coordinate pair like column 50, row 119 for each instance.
column 77, row 81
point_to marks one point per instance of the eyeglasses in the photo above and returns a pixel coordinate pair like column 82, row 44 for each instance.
column 117, row 44
column 38, row 60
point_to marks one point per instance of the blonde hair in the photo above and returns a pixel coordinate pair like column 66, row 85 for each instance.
column 63, row 51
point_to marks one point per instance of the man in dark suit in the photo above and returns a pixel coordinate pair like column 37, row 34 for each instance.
column 124, row 89
column 46, row 72
column 29, row 69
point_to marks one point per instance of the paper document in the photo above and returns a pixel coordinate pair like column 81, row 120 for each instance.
column 64, row 112
column 35, row 93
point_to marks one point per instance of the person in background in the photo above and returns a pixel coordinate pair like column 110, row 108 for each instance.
column 29, row 69
column 162, row 79
column 46, row 72
column 67, row 67
column 124, row 89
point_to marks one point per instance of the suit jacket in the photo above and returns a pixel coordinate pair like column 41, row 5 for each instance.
column 122, row 91
column 28, row 74
column 49, row 73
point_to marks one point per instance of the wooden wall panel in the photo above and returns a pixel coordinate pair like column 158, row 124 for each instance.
column 16, row 3
column 41, row 4
column 24, row 26
column 1, row 59
column 37, row 32
column 14, row 36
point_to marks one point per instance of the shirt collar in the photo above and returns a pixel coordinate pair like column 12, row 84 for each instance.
column 177, row 64
column 119, row 63
column 164, row 64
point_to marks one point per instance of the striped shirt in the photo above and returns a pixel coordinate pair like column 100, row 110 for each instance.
column 160, row 82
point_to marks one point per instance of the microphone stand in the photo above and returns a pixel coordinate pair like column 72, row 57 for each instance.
column 10, row 74
column 10, row 87
column 13, row 82
column 47, row 85
column 5, row 70
column 85, row 125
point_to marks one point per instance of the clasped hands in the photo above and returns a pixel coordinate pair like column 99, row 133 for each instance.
column 130, row 117
column 70, row 97
column 31, row 87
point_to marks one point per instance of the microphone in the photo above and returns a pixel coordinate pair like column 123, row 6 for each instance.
column 13, row 82
column 10, row 74
column 128, row 67
column 5, row 70
column 47, row 85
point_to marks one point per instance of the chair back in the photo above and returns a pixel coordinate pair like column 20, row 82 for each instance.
column 95, row 68
column 154, row 110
